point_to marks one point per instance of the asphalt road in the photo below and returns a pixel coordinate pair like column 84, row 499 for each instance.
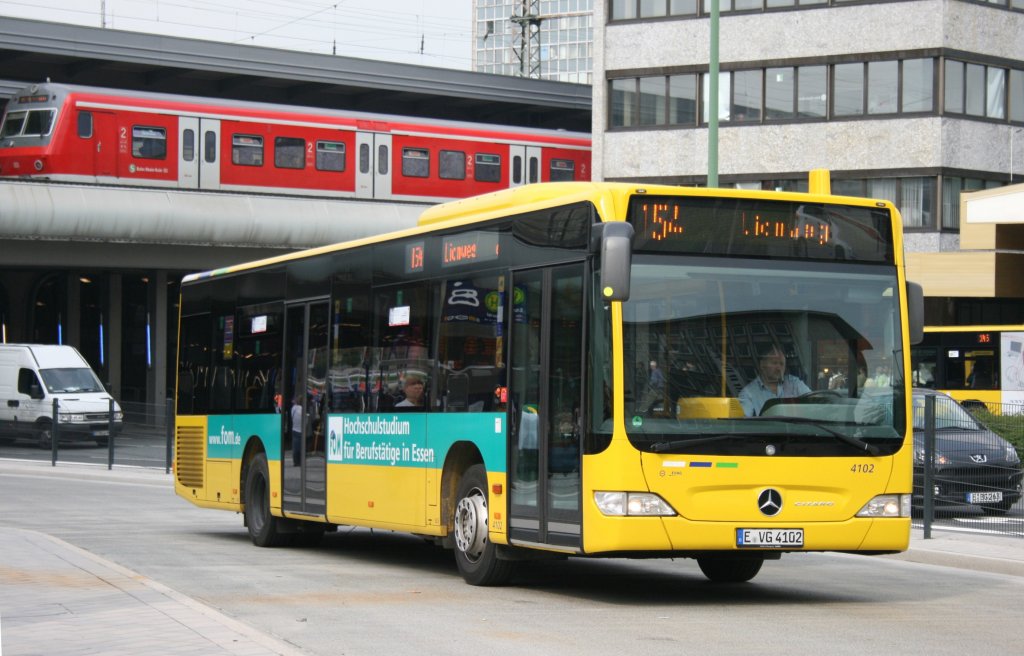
column 372, row 592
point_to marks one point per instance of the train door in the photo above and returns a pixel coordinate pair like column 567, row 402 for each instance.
column 546, row 393
column 105, row 139
column 525, row 165
column 304, row 416
column 188, row 152
column 373, row 168
column 210, row 157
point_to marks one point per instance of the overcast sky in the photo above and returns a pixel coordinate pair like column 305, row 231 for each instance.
column 425, row 32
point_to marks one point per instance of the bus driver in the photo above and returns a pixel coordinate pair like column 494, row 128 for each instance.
column 772, row 382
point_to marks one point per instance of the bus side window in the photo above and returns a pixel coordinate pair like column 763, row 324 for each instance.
column 470, row 345
column 402, row 348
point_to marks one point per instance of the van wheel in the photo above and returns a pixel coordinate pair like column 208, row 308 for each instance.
column 45, row 438
column 475, row 555
column 263, row 527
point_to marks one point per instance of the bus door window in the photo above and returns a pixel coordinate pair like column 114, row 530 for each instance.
column 351, row 321
column 954, row 369
column 258, row 347
column 471, row 344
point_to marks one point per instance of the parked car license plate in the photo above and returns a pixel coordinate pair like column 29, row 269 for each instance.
column 984, row 497
column 769, row 537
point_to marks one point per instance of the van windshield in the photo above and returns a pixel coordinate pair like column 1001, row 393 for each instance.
column 63, row 381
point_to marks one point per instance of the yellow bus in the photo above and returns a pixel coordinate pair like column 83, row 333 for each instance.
column 980, row 365
column 565, row 369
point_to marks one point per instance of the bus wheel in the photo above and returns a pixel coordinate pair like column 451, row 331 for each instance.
column 475, row 555
column 263, row 527
column 729, row 569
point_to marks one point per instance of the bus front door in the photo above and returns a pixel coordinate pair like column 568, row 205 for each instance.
column 304, row 418
column 546, row 384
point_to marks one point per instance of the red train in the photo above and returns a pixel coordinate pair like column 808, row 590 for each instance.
column 89, row 135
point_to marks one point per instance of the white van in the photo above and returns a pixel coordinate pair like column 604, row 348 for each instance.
column 32, row 376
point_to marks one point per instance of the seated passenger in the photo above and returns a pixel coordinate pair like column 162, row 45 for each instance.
column 413, row 390
column 772, row 382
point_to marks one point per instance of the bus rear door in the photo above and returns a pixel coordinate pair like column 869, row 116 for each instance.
column 546, row 396
column 304, row 416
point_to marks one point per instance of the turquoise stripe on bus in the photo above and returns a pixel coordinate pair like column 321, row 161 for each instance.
column 414, row 439
column 226, row 435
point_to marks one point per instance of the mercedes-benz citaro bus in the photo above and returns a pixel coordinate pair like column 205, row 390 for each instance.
column 567, row 369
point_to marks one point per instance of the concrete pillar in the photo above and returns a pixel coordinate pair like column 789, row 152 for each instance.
column 156, row 376
column 115, row 341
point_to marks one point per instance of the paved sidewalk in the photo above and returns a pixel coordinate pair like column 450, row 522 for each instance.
column 984, row 553
column 57, row 599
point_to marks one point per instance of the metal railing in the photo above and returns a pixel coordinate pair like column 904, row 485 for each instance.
column 974, row 483
column 144, row 437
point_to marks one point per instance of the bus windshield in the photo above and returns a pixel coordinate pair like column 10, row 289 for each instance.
column 756, row 357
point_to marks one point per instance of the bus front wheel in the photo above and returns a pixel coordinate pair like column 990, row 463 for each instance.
column 264, row 528
column 728, row 569
column 475, row 555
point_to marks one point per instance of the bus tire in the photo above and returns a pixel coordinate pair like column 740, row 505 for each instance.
column 475, row 555
column 264, row 528
column 730, row 569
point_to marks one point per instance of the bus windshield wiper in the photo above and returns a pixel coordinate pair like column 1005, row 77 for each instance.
column 843, row 437
column 659, row 447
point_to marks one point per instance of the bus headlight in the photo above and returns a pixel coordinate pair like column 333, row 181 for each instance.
column 633, row 504
column 887, row 505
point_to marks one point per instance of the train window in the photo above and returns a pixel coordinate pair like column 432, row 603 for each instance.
column 517, row 170
column 188, row 145
column 149, row 142
column 330, row 156
column 534, row 170
column 452, row 165
column 382, row 159
column 488, row 168
column 13, row 124
column 210, row 153
column 85, row 124
column 416, row 162
column 246, row 150
column 39, row 122
column 364, row 158
column 289, row 153
column 562, row 170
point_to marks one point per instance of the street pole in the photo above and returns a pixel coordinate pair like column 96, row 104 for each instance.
column 713, row 100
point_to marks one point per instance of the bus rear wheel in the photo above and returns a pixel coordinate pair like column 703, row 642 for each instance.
column 730, row 569
column 475, row 555
column 264, row 528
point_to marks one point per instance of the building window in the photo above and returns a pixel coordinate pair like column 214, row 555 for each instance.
column 883, row 87
column 623, row 97
column 682, row 99
column 779, row 92
column 848, row 93
column 976, row 90
column 812, row 92
column 652, row 101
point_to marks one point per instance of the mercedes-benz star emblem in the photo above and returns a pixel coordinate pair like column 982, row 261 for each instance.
column 769, row 502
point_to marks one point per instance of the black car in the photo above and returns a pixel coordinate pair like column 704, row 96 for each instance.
column 973, row 467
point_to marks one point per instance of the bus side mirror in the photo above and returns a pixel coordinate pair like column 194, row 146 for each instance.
column 915, row 311
column 614, row 241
